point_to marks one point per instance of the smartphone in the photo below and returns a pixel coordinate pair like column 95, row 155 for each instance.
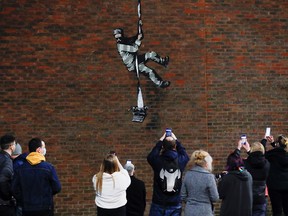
column 268, row 131
column 128, row 162
column 168, row 132
column 112, row 152
column 243, row 139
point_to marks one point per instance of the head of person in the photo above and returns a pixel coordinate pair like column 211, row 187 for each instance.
column 201, row 158
column 109, row 165
column 169, row 144
column 37, row 145
column 130, row 168
column 257, row 147
column 118, row 33
column 17, row 151
column 282, row 141
column 8, row 143
column 234, row 162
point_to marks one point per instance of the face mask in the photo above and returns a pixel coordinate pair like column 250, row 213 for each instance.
column 208, row 160
column 43, row 151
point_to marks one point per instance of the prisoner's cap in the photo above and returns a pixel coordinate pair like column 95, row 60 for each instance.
column 18, row 150
column 118, row 31
column 129, row 167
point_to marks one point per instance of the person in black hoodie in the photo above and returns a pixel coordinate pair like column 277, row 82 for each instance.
column 258, row 167
column 277, row 181
column 235, row 187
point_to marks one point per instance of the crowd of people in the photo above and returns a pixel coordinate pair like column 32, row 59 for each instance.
column 28, row 183
column 189, row 183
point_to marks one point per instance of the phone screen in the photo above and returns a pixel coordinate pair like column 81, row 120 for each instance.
column 268, row 131
column 128, row 162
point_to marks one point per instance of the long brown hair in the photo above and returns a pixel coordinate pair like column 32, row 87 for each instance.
column 109, row 165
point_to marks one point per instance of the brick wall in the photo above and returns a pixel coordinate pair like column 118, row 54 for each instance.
column 62, row 80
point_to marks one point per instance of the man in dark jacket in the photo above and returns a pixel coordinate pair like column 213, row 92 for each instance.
column 136, row 193
column 168, row 149
column 7, row 205
column 35, row 182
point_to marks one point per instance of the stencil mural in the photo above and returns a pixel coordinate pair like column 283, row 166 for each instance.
column 128, row 50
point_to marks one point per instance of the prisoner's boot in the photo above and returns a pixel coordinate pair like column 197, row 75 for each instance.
column 165, row 61
column 164, row 84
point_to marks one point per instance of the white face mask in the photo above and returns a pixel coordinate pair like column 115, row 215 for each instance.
column 209, row 160
column 43, row 151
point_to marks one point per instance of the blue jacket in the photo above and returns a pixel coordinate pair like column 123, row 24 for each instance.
column 19, row 161
column 34, row 184
column 154, row 158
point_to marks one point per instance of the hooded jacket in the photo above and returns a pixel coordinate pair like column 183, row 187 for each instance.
column 34, row 183
column 235, row 190
column 258, row 167
column 278, row 175
column 154, row 158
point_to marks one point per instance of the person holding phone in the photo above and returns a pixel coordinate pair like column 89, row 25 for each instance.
column 235, row 187
column 110, row 184
column 259, row 167
column 168, row 159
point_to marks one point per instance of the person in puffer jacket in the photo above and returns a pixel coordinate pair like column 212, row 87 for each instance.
column 259, row 167
column 35, row 182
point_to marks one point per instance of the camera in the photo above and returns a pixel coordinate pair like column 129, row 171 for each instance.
column 219, row 176
column 168, row 132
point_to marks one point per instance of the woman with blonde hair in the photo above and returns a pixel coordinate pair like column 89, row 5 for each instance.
column 199, row 189
column 258, row 166
column 110, row 184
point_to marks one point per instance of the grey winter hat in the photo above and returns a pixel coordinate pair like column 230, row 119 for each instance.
column 18, row 150
column 129, row 167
